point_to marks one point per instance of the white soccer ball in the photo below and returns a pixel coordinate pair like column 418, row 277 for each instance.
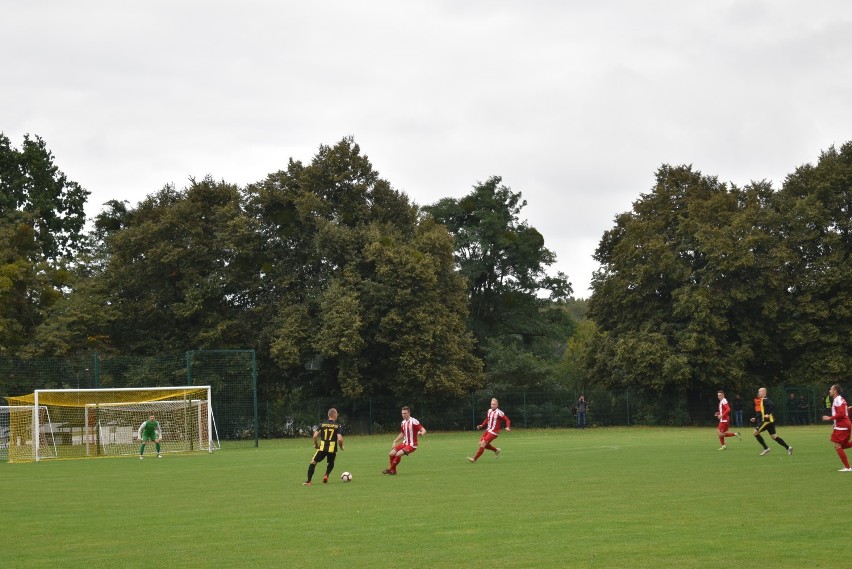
column 346, row 477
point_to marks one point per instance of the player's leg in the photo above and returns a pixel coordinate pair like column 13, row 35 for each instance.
column 313, row 466
column 767, row 427
column 779, row 440
column 397, row 458
column 721, row 435
column 329, row 466
column 841, row 454
column 480, row 450
column 841, row 442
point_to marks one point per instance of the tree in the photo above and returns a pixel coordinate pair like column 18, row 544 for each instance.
column 505, row 263
column 34, row 191
column 815, row 205
column 176, row 270
column 686, row 298
column 41, row 221
column 355, row 279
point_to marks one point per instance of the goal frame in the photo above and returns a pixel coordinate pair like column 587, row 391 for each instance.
column 210, row 423
column 35, row 410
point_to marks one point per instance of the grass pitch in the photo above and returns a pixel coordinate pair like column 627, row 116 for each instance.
column 599, row 498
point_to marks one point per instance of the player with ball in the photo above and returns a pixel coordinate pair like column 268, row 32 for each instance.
column 327, row 441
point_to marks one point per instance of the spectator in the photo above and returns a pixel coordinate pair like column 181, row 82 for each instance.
column 582, row 407
column 804, row 411
column 737, row 407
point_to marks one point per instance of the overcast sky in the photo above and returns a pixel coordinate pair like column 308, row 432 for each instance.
column 574, row 104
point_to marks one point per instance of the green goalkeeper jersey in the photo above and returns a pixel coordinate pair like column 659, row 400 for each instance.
column 149, row 430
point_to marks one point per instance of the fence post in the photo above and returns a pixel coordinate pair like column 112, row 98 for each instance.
column 96, row 366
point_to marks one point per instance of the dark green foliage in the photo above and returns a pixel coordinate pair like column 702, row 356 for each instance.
column 704, row 286
column 520, row 335
column 678, row 299
column 359, row 283
column 815, row 208
column 41, row 223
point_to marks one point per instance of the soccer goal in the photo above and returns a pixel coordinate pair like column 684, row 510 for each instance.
column 105, row 422
column 16, row 434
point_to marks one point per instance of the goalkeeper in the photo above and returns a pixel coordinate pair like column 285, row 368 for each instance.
column 149, row 431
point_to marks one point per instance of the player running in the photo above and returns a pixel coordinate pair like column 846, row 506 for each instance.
column 840, row 436
column 149, row 431
column 724, row 416
column 767, row 423
column 409, row 429
column 491, row 424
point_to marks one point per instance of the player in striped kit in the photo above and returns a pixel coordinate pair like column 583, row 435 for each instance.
column 491, row 424
column 840, row 436
column 409, row 430
column 766, row 415
column 724, row 416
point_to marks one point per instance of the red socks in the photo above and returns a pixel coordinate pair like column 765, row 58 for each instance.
column 842, row 454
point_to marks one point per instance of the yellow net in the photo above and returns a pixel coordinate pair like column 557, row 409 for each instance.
column 88, row 423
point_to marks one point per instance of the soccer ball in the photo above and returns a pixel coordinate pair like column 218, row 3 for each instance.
column 346, row 477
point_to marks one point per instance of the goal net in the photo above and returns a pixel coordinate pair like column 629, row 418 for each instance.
column 105, row 422
column 19, row 420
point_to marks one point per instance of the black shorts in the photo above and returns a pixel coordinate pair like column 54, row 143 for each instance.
column 767, row 427
column 321, row 455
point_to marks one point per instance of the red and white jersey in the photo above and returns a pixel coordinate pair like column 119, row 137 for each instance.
column 410, row 429
column 724, row 411
column 840, row 414
column 493, row 420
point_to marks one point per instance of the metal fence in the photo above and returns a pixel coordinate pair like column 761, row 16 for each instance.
column 243, row 417
column 373, row 415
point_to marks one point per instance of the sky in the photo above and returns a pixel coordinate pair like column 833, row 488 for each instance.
column 575, row 105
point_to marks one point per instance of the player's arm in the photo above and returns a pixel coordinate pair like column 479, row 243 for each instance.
column 482, row 424
column 508, row 422
column 340, row 441
column 422, row 430
column 139, row 431
column 316, row 436
column 159, row 432
column 396, row 440
column 842, row 413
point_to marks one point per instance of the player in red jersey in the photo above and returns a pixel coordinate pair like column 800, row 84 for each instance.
column 491, row 424
column 410, row 429
column 724, row 416
column 840, row 436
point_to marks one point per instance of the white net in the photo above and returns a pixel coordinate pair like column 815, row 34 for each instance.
column 183, row 426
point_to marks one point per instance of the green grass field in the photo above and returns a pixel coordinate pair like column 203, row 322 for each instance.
column 631, row 498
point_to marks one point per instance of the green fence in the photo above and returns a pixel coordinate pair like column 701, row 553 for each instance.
column 243, row 417
column 375, row 415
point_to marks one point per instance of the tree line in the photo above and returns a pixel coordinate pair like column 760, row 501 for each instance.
column 706, row 285
column 338, row 281
column 343, row 285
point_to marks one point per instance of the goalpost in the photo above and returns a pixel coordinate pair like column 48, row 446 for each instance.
column 16, row 440
column 90, row 423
